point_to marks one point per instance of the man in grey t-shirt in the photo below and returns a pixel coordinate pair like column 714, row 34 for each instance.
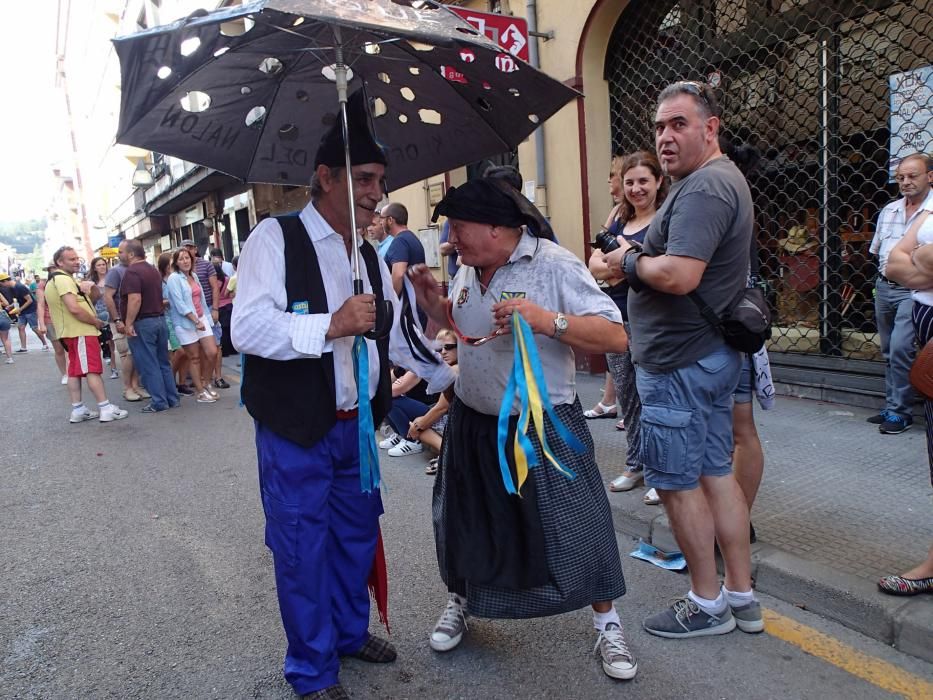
column 132, row 388
column 686, row 374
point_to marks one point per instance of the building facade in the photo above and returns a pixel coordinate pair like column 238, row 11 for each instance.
column 827, row 95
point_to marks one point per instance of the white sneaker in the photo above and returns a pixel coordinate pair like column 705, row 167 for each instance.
column 618, row 660
column 64, row 379
column 450, row 625
column 390, row 441
column 113, row 373
column 112, row 412
column 405, row 447
column 9, row 361
column 79, row 415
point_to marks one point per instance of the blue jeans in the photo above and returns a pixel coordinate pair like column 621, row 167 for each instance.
column 686, row 420
column 404, row 410
column 893, row 307
column 150, row 357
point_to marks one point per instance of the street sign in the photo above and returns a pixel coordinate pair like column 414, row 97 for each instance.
column 108, row 253
column 511, row 33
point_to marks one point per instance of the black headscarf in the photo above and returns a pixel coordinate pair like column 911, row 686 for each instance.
column 493, row 201
column 363, row 147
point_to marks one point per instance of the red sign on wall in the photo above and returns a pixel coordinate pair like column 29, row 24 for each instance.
column 511, row 33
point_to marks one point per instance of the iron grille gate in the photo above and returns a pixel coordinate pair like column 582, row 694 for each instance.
column 811, row 89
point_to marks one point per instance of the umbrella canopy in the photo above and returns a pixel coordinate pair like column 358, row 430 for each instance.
column 250, row 91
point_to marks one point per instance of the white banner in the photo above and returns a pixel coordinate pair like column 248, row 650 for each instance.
column 911, row 114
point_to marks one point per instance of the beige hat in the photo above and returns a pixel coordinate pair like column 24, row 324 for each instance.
column 798, row 240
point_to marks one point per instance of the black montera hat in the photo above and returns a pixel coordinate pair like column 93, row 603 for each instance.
column 363, row 147
column 491, row 200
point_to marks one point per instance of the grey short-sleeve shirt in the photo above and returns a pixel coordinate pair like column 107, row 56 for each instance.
column 546, row 274
column 711, row 220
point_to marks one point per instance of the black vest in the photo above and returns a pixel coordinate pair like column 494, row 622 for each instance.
column 296, row 398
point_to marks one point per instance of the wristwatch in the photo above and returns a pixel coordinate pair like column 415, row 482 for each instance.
column 560, row 325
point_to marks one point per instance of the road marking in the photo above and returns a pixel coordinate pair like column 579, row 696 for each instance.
column 879, row 673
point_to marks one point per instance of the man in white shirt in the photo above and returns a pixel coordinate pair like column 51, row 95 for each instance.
column 296, row 318
column 892, row 301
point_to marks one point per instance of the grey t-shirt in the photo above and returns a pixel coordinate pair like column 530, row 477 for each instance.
column 113, row 279
column 548, row 275
column 711, row 220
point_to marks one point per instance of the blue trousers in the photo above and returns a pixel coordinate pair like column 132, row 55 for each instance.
column 404, row 410
column 893, row 307
column 322, row 532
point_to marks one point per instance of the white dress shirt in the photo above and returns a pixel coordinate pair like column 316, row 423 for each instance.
column 262, row 326
column 892, row 225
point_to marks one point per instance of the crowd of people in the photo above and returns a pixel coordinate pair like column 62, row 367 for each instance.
column 494, row 393
column 164, row 329
column 682, row 229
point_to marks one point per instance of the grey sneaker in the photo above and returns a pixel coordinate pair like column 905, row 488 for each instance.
column 748, row 617
column 618, row 661
column 685, row 619
column 450, row 626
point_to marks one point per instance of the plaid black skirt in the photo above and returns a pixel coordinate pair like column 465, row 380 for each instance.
column 551, row 551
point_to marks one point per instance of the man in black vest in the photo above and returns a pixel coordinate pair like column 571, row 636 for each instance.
column 296, row 318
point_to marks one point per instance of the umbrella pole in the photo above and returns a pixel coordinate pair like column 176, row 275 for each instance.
column 340, row 71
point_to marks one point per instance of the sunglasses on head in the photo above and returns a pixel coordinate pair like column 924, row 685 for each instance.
column 698, row 89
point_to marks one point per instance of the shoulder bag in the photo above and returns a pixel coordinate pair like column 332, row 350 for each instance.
column 746, row 323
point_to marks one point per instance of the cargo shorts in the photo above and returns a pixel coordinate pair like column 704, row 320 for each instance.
column 686, row 420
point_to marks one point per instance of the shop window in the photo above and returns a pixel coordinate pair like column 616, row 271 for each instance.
column 827, row 97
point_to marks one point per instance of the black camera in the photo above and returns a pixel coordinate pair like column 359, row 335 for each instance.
column 605, row 241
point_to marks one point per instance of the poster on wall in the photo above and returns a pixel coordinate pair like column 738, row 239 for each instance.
column 911, row 114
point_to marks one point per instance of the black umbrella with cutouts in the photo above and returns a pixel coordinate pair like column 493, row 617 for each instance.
column 251, row 90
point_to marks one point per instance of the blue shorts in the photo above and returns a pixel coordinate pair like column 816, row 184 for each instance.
column 5, row 322
column 218, row 332
column 686, row 420
column 32, row 318
column 746, row 388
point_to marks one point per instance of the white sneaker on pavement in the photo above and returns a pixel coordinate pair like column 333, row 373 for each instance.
column 405, row 447
column 112, row 412
column 113, row 373
column 79, row 415
column 450, row 625
column 618, row 661
column 390, row 441
column 9, row 361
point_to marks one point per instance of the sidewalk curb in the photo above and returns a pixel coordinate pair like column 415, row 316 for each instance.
column 904, row 623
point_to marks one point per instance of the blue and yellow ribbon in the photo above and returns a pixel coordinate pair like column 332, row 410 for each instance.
column 527, row 380
column 369, row 454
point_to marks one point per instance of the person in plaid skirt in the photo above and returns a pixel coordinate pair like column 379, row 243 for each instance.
column 553, row 549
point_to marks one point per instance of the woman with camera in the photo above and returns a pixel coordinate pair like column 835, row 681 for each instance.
column 637, row 183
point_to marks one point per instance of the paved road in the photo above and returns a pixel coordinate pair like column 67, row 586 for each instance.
column 132, row 565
